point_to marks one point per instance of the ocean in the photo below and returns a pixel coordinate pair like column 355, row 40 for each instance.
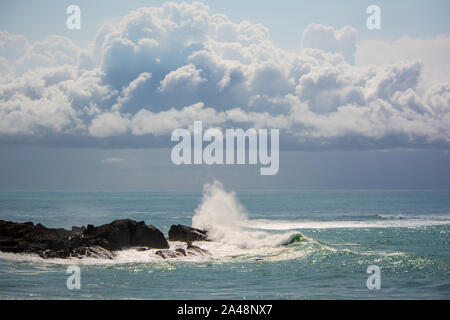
column 405, row 233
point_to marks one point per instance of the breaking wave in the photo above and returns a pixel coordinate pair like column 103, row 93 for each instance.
column 225, row 219
column 235, row 237
column 285, row 225
column 442, row 218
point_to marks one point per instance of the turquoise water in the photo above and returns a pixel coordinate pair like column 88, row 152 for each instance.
column 405, row 233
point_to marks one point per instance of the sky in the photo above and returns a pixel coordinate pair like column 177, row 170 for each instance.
column 286, row 19
column 93, row 109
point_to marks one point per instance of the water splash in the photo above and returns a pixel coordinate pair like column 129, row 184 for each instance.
column 225, row 219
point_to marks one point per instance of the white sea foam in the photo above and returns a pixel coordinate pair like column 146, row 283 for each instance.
column 221, row 214
column 392, row 222
column 219, row 253
column 415, row 217
column 225, row 219
column 237, row 238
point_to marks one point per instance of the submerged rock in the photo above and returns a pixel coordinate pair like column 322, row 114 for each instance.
column 81, row 252
column 181, row 251
column 166, row 254
column 190, row 250
column 186, row 234
column 99, row 252
column 194, row 250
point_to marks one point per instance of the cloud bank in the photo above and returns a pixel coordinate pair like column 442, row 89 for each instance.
column 162, row 68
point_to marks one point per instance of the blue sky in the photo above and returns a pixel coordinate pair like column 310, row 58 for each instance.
column 286, row 19
column 93, row 109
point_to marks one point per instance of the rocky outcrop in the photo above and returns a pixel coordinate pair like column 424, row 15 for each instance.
column 27, row 237
column 186, row 234
column 195, row 251
column 190, row 250
column 167, row 254
column 81, row 252
column 97, row 252
column 123, row 234
column 91, row 241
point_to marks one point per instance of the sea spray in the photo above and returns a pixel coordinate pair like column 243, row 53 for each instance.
column 225, row 219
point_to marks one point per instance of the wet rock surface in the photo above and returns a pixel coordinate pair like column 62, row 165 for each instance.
column 186, row 234
column 79, row 242
column 190, row 250
column 122, row 234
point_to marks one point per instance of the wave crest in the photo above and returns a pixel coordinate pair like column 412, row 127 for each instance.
column 221, row 214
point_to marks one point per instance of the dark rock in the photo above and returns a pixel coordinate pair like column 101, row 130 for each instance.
column 48, row 254
column 182, row 251
column 99, row 252
column 194, row 250
column 125, row 233
column 186, row 234
column 147, row 235
column 21, row 237
column 78, row 230
column 81, row 252
column 166, row 254
column 191, row 250
column 92, row 241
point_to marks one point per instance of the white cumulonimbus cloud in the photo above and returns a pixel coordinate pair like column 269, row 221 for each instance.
column 163, row 68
